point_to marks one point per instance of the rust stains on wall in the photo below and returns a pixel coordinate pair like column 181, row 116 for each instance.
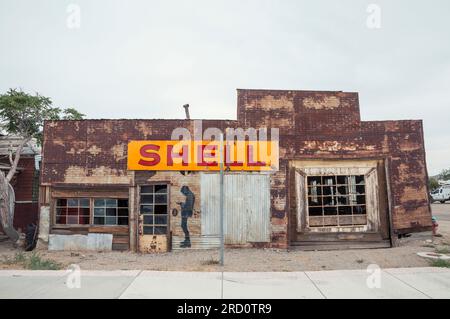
column 321, row 103
column 313, row 125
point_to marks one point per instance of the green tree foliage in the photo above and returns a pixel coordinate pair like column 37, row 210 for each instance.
column 433, row 183
column 444, row 174
column 24, row 114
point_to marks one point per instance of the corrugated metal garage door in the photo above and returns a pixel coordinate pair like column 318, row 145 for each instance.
column 246, row 207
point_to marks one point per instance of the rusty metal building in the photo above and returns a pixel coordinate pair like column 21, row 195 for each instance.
column 342, row 182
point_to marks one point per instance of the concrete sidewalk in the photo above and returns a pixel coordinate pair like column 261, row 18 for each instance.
column 386, row 283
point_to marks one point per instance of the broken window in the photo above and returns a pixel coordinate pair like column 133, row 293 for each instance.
column 336, row 200
column 153, row 208
column 109, row 211
column 72, row 211
column 77, row 211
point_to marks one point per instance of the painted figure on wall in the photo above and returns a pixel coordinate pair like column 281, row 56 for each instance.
column 187, row 209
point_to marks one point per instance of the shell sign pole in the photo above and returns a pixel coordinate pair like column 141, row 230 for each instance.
column 172, row 155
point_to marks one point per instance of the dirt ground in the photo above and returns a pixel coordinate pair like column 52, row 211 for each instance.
column 253, row 259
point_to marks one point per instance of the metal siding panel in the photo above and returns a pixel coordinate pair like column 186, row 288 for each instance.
column 246, row 207
column 210, row 210
column 258, row 227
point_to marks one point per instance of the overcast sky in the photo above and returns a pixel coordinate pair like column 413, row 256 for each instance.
column 145, row 59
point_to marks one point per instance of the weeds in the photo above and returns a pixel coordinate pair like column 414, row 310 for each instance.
column 443, row 250
column 33, row 262
column 440, row 263
column 210, row 262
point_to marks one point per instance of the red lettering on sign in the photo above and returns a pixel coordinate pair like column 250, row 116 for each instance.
column 183, row 154
column 250, row 161
column 145, row 152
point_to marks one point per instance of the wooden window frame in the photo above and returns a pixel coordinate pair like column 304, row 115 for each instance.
column 140, row 204
column 91, row 211
column 356, row 218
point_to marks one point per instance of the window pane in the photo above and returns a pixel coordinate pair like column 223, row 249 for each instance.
column 343, row 190
column 160, row 230
column 72, row 220
column 60, row 219
column 85, row 211
column 314, row 180
column 161, row 220
column 99, row 202
column 84, row 202
column 359, row 179
column 361, row 199
column 99, row 220
column 343, row 200
column 122, row 221
column 148, row 230
column 122, row 203
column 359, row 210
column 330, row 211
column 146, row 209
column 160, row 209
column 329, row 190
column 360, row 189
column 342, row 180
column 329, row 200
column 315, row 190
column 147, row 189
column 61, row 202
column 72, row 202
column 72, row 211
column 84, row 220
column 329, row 180
column 148, row 219
column 111, row 202
column 315, row 211
column 123, row 212
column 147, row 199
column 110, row 221
column 111, row 212
column 99, row 212
column 161, row 199
column 160, row 189
column 61, row 211
column 345, row 210
column 315, row 201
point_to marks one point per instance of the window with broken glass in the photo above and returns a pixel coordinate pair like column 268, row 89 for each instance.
column 77, row 211
column 154, row 209
column 336, row 200
column 72, row 211
column 109, row 211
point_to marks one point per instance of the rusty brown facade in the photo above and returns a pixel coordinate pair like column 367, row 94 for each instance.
column 341, row 182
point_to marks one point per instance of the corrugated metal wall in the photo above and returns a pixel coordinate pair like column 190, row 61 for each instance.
column 246, row 207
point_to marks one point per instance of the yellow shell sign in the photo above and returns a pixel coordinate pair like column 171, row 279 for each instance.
column 202, row 155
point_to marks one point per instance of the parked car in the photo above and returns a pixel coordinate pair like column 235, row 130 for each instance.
column 442, row 194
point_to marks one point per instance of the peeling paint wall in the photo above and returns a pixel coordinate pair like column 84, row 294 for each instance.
column 313, row 125
column 327, row 125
